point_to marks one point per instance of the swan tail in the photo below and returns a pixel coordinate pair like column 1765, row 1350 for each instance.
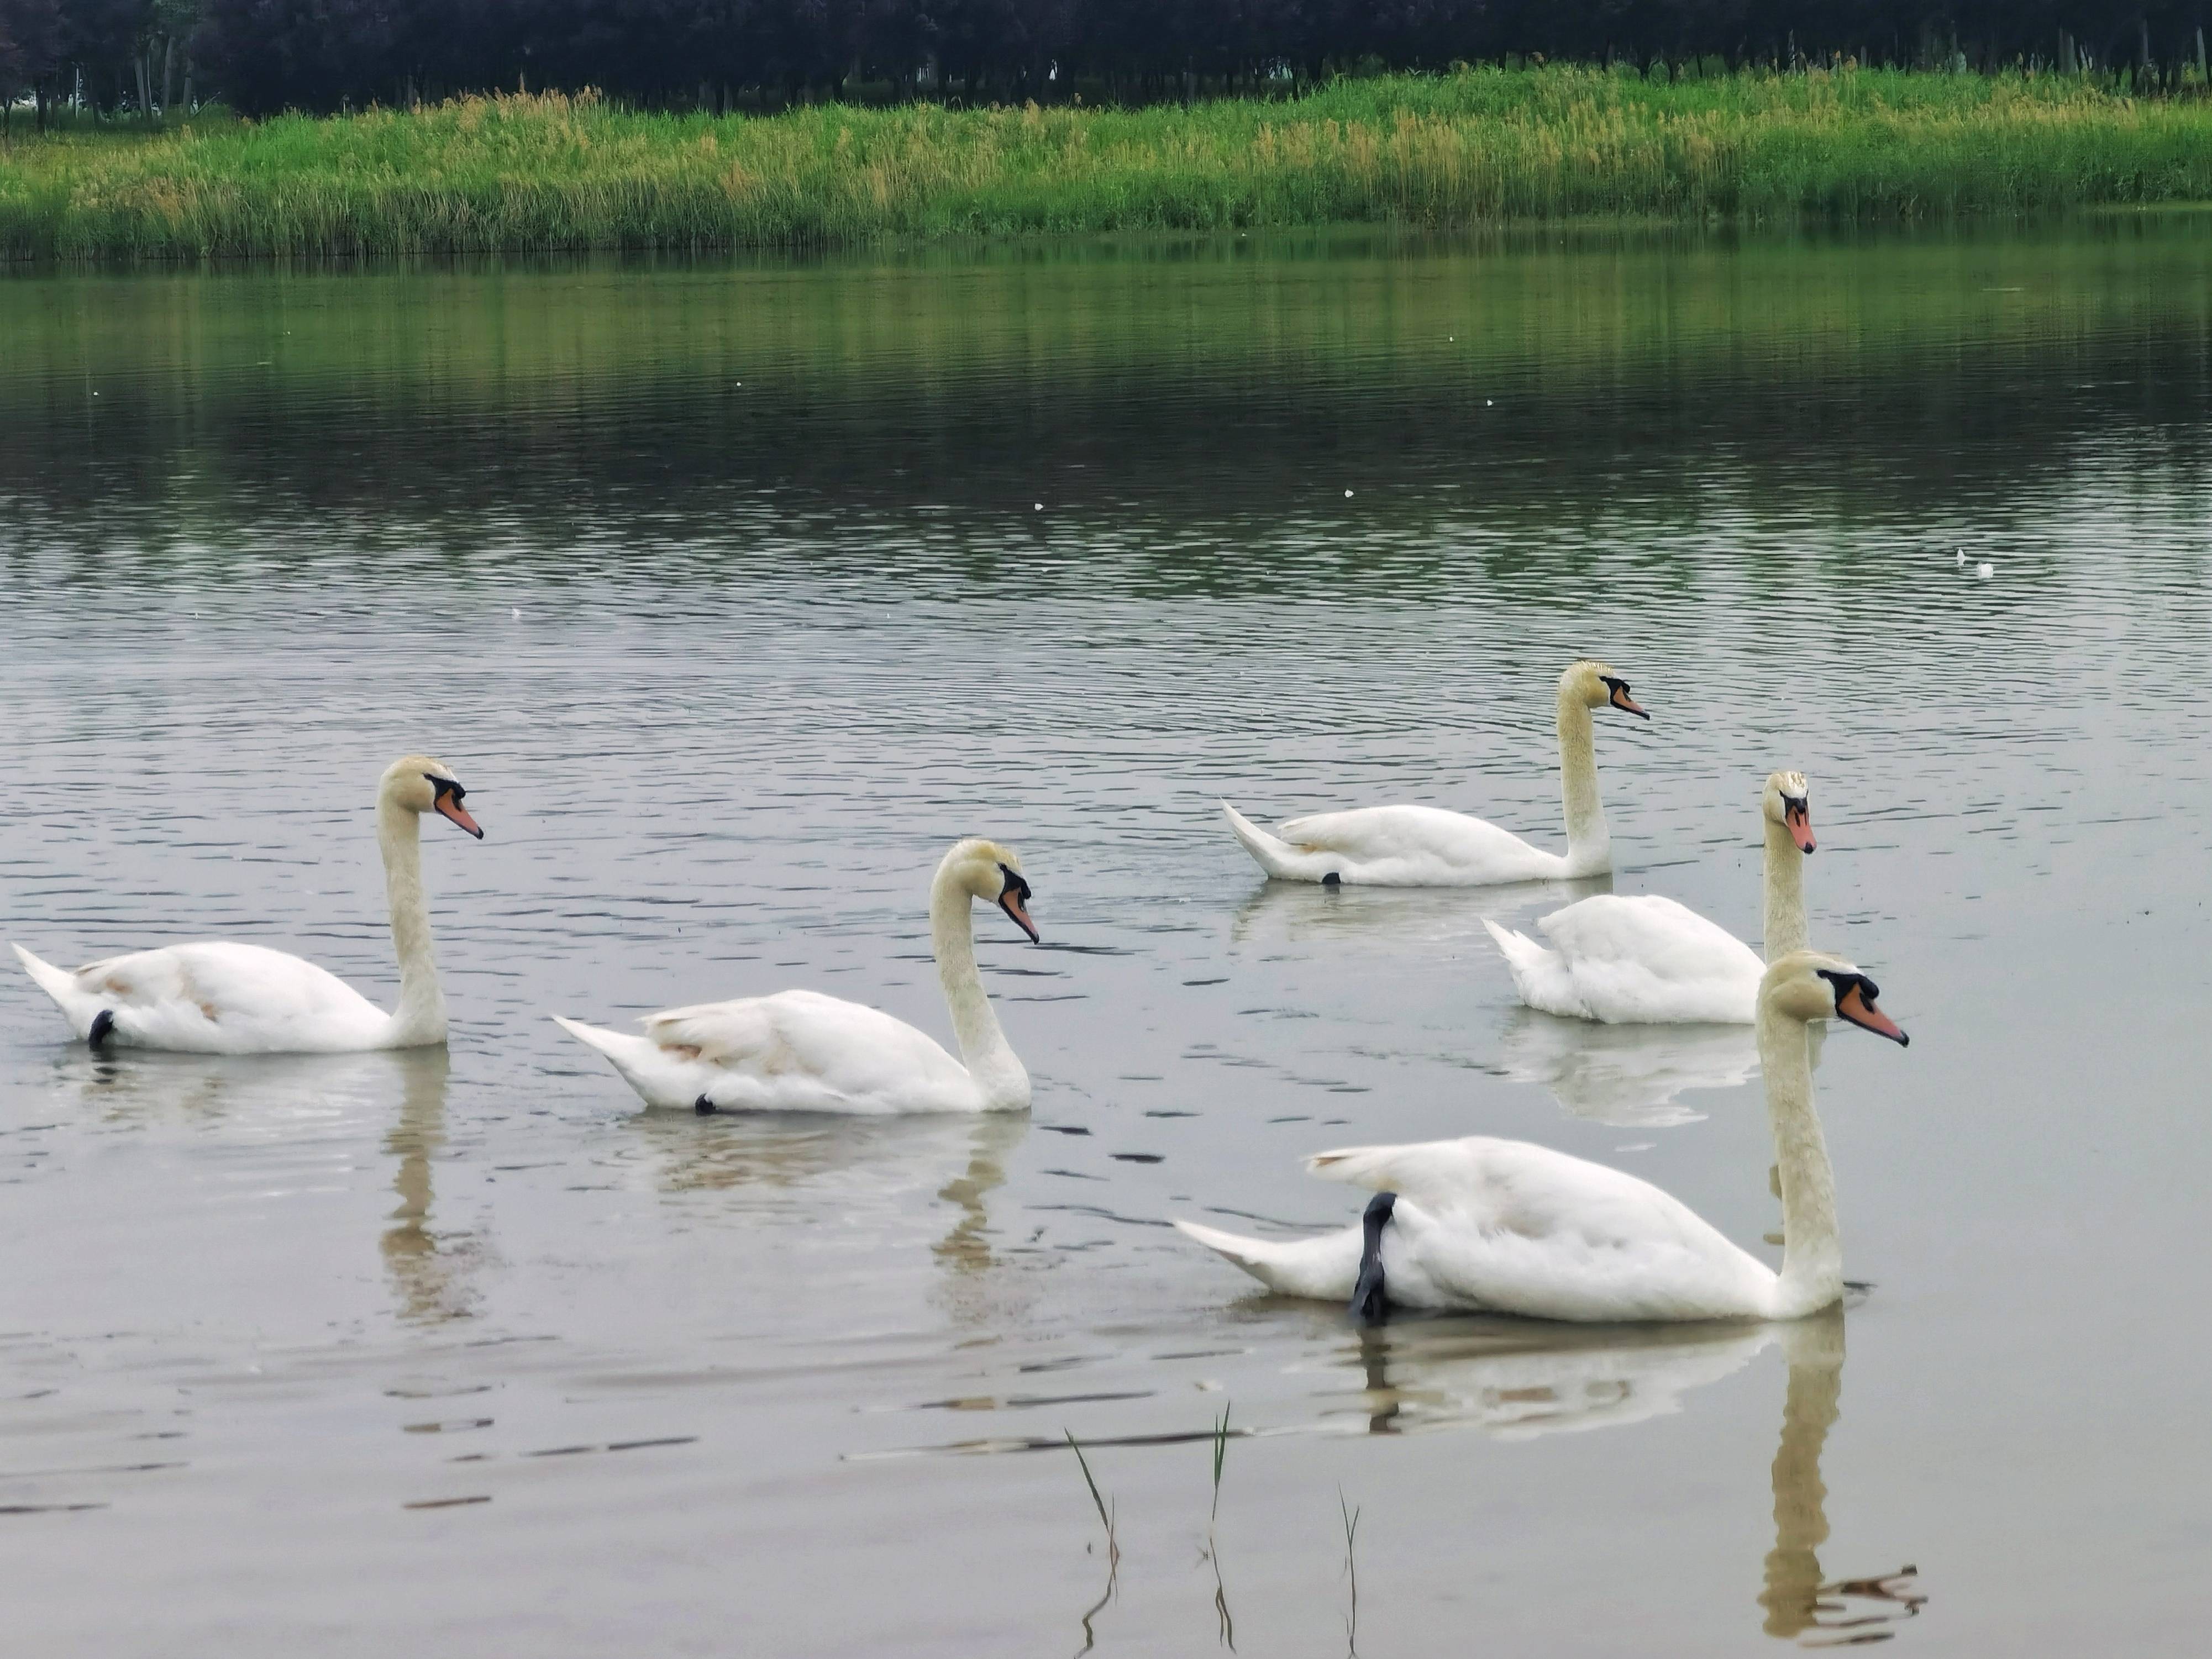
column 1277, row 858
column 661, row 1079
column 627, row 1052
column 1325, row 1268
column 1542, row 976
column 81, row 1009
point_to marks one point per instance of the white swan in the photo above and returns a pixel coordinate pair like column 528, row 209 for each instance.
column 1507, row 1227
column 800, row 1051
column 1645, row 960
column 1428, row 847
column 220, row 998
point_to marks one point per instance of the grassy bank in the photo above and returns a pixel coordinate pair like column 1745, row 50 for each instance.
column 554, row 172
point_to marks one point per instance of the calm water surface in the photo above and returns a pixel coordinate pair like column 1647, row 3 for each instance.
column 735, row 593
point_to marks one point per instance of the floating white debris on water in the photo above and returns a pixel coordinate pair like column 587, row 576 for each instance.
column 516, row 614
column 1347, row 495
column 1985, row 568
column 1958, row 554
column 1040, row 506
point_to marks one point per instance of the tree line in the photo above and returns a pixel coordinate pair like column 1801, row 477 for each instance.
column 147, row 57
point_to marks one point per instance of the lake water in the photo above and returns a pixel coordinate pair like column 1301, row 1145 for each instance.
column 735, row 591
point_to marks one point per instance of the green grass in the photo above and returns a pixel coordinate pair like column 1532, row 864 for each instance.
column 1477, row 146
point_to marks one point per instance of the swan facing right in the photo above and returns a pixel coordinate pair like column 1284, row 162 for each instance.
column 1504, row 1226
column 219, row 997
column 1429, row 846
column 800, row 1051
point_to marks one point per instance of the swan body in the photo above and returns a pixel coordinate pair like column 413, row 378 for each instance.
column 1504, row 1226
column 1626, row 960
column 223, row 997
column 800, row 1051
column 1429, row 846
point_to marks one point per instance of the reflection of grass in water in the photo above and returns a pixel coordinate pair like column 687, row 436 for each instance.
column 1351, row 1571
column 555, row 172
column 1113, row 1543
column 1220, row 1456
column 1226, row 1627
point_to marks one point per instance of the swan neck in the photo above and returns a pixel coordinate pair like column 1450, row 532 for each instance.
column 983, row 1048
column 1784, row 929
column 1589, row 845
column 420, row 1016
column 1811, row 1251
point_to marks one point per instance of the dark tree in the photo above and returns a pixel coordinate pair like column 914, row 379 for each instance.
column 318, row 54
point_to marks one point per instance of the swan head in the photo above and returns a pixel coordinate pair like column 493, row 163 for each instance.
column 1594, row 685
column 1810, row 985
column 1786, row 801
column 417, row 784
column 992, row 873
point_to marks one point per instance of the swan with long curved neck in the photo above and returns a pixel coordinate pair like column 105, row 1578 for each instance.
column 1429, row 846
column 1504, row 1226
column 800, row 1051
column 223, row 997
column 1642, row 958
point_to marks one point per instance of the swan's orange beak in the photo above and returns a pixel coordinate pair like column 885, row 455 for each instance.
column 1798, row 815
column 1627, row 704
column 1858, row 1008
column 1011, row 902
column 449, row 807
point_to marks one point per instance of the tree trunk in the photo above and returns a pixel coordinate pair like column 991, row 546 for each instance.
column 145, row 92
column 168, row 71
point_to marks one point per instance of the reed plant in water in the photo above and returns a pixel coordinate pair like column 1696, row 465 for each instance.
column 1113, row 1542
column 553, row 172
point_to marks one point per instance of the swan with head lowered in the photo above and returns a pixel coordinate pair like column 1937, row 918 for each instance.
column 223, row 997
column 800, row 1051
column 1429, row 846
column 1642, row 958
column 1504, row 1226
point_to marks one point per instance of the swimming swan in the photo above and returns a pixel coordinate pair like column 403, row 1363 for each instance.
column 220, row 998
column 800, row 1051
column 1647, row 959
column 1429, row 846
column 1507, row 1227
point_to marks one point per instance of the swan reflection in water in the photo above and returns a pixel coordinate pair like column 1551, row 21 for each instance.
column 1629, row 1076
column 272, row 1094
column 277, row 1108
column 1632, row 1077
column 785, row 1163
column 1389, row 918
column 430, row 1271
column 1800, row 1604
column 1520, row 1379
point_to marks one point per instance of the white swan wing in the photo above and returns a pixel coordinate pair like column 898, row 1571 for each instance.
column 221, row 997
column 802, row 1051
column 1517, row 1228
column 1419, row 846
column 1647, row 957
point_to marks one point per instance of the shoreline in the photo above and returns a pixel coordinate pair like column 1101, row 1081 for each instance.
column 1476, row 152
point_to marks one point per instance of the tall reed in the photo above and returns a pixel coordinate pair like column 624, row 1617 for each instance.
column 550, row 172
